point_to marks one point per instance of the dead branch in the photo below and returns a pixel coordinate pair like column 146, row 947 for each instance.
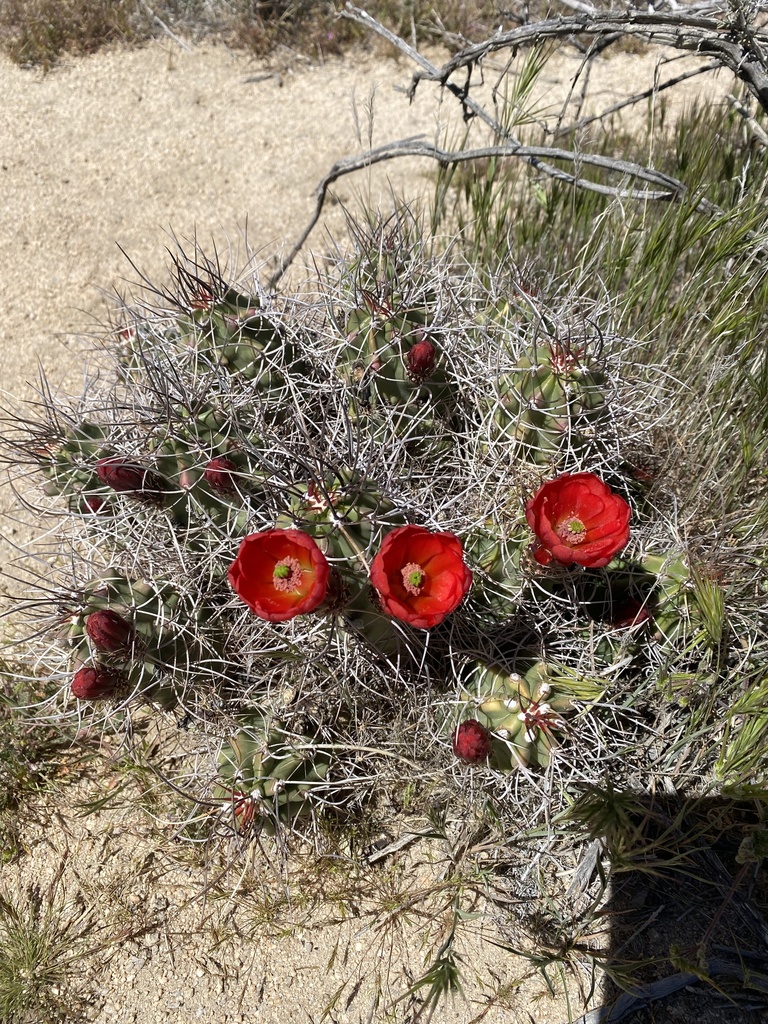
column 669, row 189
column 702, row 29
column 637, row 97
column 727, row 35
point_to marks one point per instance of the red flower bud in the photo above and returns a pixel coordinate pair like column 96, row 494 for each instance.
column 92, row 682
column 420, row 361
column 92, row 503
column 123, row 474
column 631, row 613
column 471, row 742
column 219, row 475
column 109, row 632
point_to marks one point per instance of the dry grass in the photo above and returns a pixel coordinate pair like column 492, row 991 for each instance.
column 40, row 32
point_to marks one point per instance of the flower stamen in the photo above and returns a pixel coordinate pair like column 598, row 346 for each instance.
column 571, row 530
column 413, row 578
column 286, row 575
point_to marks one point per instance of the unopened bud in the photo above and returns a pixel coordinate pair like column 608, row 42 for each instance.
column 219, row 475
column 92, row 682
column 109, row 632
column 123, row 474
column 93, row 503
column 420, row 361
column 631, row 613
column 186, row 479
column 472, row 742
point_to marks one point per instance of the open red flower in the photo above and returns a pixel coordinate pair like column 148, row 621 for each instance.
column 578, row 519
column 279, row 574
column 420, row 576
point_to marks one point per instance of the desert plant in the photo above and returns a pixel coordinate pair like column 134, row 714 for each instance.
column 309, row 514
column 44, row 941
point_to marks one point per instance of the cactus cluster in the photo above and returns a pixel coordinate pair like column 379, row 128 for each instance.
column 448, row 469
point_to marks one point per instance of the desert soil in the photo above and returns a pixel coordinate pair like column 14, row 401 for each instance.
column 139, row 150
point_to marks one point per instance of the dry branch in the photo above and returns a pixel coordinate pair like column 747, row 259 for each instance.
column 727, row 35
column 669, row 189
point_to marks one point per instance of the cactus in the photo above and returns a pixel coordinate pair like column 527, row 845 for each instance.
column 68, row 457
column 268, row 774
column 154, row 639
column 548, row 402
column 217, row 328
column 343, row 419
column 687, row 603
column 523, row 713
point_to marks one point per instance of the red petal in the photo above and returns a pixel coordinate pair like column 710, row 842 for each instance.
column 542, row 556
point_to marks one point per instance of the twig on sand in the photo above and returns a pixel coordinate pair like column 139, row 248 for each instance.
column 637, row 97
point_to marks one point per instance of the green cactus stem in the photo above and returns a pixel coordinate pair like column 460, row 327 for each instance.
column 167, row 645
column 523, row 712
column 268, row 774
column 547, row 402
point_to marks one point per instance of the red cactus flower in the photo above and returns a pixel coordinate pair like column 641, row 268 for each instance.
column 93, row 682
column 109, row 632
column 420, row 361
column 280, row 574
column 420, row 576
column 578, row 519
column 219, row 475
column 472, row 742
column 123, row 474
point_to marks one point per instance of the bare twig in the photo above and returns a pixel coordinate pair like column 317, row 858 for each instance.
column 637, row 97
column 668, row 189
column 728, row 37
column 682, row 29
column 161, row 24
column 757, row 130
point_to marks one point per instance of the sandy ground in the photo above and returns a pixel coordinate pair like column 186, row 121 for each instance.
column 135, row 149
